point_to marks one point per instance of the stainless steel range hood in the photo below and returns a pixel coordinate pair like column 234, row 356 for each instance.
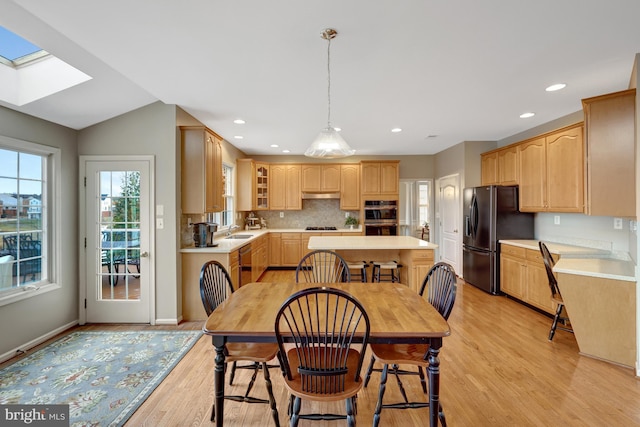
column 306, row 196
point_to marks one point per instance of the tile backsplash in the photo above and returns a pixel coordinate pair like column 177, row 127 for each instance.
column 314, row 213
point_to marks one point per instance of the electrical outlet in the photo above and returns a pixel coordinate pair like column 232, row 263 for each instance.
column 633, row 225
column 556, row 219
column 159, row 223
column 617, row 223
column 281, row 214
column 346, row 214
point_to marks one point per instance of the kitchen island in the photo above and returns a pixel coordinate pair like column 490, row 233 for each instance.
column 416, row 256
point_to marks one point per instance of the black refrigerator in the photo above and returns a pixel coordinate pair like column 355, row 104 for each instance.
column 490, row 214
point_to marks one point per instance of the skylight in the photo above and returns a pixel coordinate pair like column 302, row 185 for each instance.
column 13, row 47
column 29, row 73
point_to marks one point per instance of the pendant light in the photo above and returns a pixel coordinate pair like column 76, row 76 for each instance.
column 329, row 144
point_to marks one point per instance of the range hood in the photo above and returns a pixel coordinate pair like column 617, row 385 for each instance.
column 306, row 196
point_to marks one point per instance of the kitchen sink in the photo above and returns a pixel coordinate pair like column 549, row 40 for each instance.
column 239, row 236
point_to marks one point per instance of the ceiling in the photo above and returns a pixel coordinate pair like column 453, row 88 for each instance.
column 444, row 71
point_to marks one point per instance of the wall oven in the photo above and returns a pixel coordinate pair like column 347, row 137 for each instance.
column 381, row 217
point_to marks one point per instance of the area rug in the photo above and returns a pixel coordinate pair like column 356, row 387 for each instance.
column 103, row 376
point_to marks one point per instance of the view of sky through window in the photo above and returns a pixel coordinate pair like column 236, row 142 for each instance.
column 13, row 46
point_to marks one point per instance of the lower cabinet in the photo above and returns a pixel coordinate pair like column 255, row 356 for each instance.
column 291, row 248
column 275, row 249
column 523, row 276
column 417, row 264
column 259, row 257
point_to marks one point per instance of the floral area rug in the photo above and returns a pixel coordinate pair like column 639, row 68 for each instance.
column 103, row 376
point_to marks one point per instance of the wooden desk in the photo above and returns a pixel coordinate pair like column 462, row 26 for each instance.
column 396, row 313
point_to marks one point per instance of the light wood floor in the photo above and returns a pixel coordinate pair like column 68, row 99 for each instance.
column 497, row 369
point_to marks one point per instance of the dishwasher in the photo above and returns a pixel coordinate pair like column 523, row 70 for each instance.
column 245, row 265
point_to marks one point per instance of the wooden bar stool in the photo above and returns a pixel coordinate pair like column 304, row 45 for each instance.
column 391, row 273
column 359, row 270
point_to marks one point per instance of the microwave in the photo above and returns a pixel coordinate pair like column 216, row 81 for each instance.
column 380, row 210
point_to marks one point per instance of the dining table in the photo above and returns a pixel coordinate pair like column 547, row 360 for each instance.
column 396, row 313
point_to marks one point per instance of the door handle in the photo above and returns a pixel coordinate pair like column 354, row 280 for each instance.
column 144, row 254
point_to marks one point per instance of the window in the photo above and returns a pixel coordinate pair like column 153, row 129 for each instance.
column 26, row 216
column 225, row 218
column 424, row 195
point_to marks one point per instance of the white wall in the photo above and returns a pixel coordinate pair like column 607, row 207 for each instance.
column 30, row 319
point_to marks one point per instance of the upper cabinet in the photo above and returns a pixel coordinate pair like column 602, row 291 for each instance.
column 380, row 178
column 320, row 178
column 610, row 149
column 285, row 187
column 202, row 181
column 500, row 167
column 350, row 187
column 551, row 172
column 253, row 185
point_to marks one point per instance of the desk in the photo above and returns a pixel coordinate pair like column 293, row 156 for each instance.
column 396, row 313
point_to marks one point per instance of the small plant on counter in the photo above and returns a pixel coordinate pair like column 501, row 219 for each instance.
column 351, row 221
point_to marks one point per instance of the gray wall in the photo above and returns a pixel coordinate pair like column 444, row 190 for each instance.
column 32, row 318
column 150, row 130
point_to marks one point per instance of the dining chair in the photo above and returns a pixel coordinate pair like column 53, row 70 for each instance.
column 560, row 314
column 440, row 286
column 322, row 336
column 322, row 266
column 215, row 287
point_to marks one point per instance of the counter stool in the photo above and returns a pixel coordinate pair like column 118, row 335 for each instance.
column 360, row 268
column 392, row 275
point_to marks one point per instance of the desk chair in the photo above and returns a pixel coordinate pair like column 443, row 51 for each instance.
column 322, row 266
column 560, row 315
column 215, row 287
column 440, row 284
column 315, row 330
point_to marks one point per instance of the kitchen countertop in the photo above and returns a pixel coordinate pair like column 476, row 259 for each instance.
column 225, row 245
column 368, row 243
column 584, row 261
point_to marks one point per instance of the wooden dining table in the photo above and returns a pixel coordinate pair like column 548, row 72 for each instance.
column 396, row 313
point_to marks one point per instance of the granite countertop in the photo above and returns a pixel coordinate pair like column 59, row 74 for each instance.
column 224, row 245
column 368, row 242
column 585, row 261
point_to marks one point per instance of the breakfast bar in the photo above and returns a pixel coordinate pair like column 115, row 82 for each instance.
column 416, row 256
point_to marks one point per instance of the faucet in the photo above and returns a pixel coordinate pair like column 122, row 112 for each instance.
column 233, row 227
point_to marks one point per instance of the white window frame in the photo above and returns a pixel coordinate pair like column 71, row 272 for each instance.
column 51, row 225
column 229, row 200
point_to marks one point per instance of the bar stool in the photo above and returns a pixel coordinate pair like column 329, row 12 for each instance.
column 360, row 268
column 393, row 273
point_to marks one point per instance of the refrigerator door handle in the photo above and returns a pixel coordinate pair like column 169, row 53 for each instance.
column 474, row 216
column 467, row 229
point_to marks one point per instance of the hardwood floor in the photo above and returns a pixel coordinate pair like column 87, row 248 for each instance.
column 497, row 369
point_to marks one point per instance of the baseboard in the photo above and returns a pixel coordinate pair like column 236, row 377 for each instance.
column 171, row 322
column 29, row 345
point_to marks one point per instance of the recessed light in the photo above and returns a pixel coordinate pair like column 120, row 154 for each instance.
column 338, row 129
column 274, row 145
column 239, row 137
column 239, row 121
column 396, row 130
column 285, row 151
column 555, row 87
column 527, row 115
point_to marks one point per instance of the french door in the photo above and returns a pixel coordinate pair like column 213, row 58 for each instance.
column 117, row 234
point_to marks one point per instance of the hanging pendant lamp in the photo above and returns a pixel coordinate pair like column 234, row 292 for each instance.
column 329, row 144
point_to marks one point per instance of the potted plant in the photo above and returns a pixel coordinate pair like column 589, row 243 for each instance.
column 351, row 221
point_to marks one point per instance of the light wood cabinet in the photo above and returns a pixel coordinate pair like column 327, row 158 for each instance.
column 489, row 168
column 275, row 249
column 350, row 187
column 417, row 264
column 500, row 167
column 234, row 268
column 610, row 150
column 508, row 166
column 523, row 276
column 252, row 185
column 291, row 249
column 320, row 178
column 552, row 172
column 259, row 257
column 202, row 181
column 380, row 178
column 285, row 193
